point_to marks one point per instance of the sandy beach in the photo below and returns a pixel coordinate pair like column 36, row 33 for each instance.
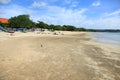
column 66, row 56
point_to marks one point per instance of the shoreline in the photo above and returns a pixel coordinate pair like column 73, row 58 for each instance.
column 108, row 41
column 72, row 56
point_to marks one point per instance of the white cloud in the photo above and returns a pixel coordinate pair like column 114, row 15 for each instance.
column 71, row 3
column 74, row 4
column 39, row 4
column 115, row 13
column 97, row 3
column 111, row 22
column 5, row 1
column 106, row 21
column 67, row 1
column 14, row 10
column 61, row 15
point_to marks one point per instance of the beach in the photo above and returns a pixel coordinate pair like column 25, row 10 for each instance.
column 65, row 56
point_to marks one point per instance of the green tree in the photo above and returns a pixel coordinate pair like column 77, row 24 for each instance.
column 41, row 25
column 68, row 28
column 81, row 29
column 57, row 27
column 21, row 21
column 52, row 27
column 71, row 28
column 64, row 27
column 4, row 24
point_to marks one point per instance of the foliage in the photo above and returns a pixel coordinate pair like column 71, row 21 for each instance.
column 81, row 29
column 21, row 21
column 40, row 24
column 68, row 28
column 4, row 24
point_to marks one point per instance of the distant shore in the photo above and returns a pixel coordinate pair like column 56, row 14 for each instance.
column 59, row 55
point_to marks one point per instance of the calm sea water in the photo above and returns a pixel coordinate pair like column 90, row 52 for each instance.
column 107, row 37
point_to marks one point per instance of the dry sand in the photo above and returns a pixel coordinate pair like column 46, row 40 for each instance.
column 72, row 56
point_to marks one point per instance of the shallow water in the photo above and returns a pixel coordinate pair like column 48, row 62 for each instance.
column 107, row 37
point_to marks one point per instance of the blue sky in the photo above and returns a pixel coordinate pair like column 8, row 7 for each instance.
column 93, row 14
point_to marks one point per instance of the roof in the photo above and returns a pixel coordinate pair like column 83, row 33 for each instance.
column 3, row 20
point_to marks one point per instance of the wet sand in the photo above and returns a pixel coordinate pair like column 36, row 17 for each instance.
column 58, row 57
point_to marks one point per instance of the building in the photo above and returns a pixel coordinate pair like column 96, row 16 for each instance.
column 3, row 20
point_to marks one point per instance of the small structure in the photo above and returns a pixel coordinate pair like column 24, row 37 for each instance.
column 4, row 20
column 6, row 30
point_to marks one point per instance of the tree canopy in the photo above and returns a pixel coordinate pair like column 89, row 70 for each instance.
column 4, row 24
column 21, row 21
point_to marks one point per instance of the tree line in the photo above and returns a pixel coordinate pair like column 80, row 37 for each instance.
column 24, row 21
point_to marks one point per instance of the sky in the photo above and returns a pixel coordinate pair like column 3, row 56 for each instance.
column 90, row 14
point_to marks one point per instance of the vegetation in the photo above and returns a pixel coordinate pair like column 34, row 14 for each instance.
column 4, row 24
column 23, row 21
column 41, row 25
